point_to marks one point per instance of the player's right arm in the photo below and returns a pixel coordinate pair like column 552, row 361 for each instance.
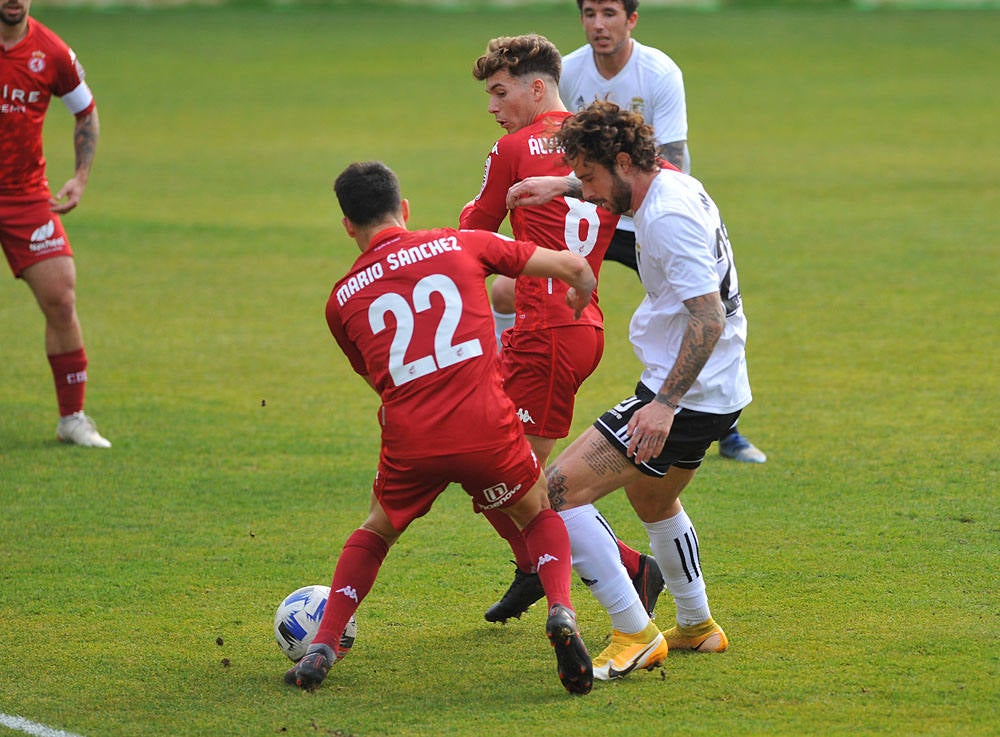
column 539, row 190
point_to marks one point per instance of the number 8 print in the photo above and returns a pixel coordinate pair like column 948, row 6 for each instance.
column 580, row 213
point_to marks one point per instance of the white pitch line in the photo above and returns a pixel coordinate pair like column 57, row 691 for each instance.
column 27, row 726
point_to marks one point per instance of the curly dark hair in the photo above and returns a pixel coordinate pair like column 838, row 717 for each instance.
column 602, row 130
column 519, row 55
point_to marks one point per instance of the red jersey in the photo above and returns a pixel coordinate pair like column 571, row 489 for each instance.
column 413, row 315
column 563, row 224
column 35, row 69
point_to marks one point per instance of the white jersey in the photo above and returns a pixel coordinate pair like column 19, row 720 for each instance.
column 650, row 83
column 683, row 252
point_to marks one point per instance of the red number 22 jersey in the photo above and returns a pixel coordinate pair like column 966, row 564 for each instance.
column 412, row 314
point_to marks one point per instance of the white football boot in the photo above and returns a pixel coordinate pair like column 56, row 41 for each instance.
column 79, row 429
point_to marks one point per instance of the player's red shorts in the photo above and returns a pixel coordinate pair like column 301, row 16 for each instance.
column 30, row 232
column 494, row 478
column 544, row 369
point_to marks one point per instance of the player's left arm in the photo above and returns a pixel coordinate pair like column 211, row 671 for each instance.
column 650, row 425
column 85, row 134
column 488, row 210
column 669, row 118
column 676, row 153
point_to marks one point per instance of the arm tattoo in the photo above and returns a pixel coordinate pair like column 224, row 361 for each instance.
column 574, row 188
column 85, row 136
column 674, row 153
column 706, row 321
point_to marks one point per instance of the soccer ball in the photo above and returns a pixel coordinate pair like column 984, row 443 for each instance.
column 297, row 621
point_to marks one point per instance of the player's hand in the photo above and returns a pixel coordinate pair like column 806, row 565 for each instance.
column 535, row 191
column 578, row 300
column 582, row 286
column 648, row 430
column 68, row 197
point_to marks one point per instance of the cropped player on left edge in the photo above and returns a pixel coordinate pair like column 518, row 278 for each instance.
column 35, row 65
column 414, row 320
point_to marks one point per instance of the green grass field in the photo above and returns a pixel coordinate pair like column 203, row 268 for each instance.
column 854, row 156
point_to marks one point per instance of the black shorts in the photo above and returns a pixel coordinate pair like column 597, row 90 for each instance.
column 622, row 249
column 690, row 436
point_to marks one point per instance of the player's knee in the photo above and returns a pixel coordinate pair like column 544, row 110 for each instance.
column 59, row 308
column 502, row 296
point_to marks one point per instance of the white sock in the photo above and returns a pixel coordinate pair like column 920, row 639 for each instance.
column 675, row 547
column 502, row 321
column 597, row 561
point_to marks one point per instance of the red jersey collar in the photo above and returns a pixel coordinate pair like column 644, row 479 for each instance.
column 385, row 235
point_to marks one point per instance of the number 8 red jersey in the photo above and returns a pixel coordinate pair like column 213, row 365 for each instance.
column 562, row 224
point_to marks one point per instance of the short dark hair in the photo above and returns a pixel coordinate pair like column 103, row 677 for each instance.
column 602, row 130
column 519, row 55
column 367, row 191
column 631, row 6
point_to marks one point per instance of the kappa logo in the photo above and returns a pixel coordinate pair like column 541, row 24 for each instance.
column 350, row 592
column 524, row 416
column 42, row 240
column 546, row 558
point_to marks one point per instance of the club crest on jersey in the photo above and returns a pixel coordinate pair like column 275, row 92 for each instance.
column 639, row 106
column 37, row 62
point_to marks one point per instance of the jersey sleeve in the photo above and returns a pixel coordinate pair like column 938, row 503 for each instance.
column 350, row 350
column 500, row 254
column 669, row 107
column 69, row 85
column 488, row 210
column 688, row 263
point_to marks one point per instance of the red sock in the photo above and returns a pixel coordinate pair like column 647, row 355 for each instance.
column 548, row 543
column 353, row 578
column 630, row 557
column 70, row 373
column 506, row 528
